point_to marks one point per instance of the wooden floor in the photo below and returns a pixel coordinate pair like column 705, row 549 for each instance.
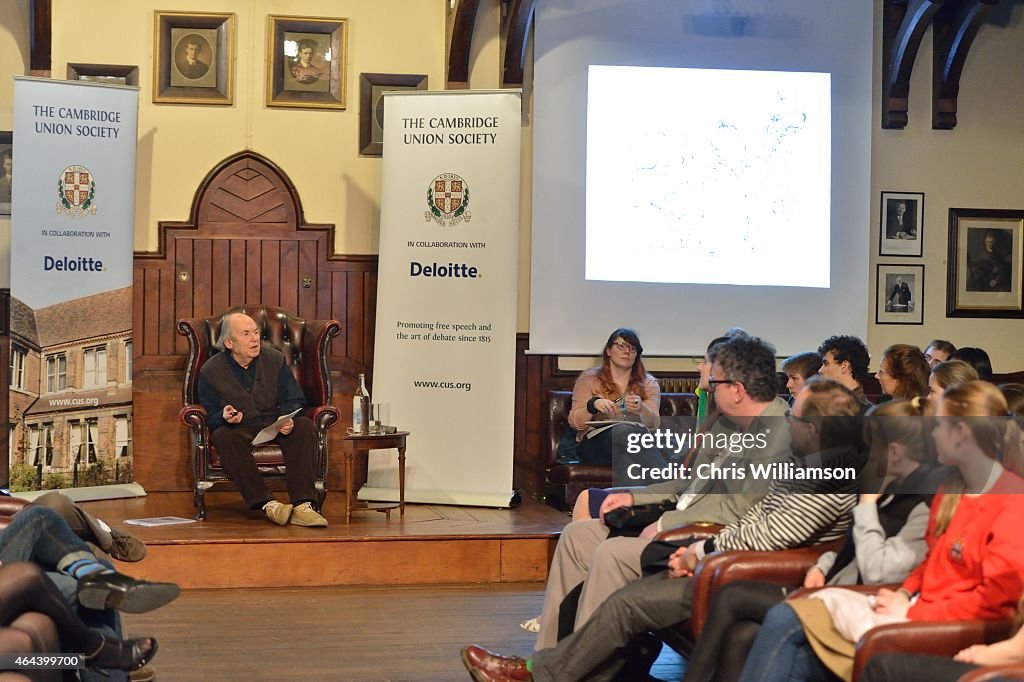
column 342, row 634
column 433, row 544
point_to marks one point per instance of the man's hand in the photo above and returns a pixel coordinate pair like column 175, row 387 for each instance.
column 683, row 561
column 814, row 577
column 614, row 501
column 231, row 415
column 892, row 603
column 284, row 428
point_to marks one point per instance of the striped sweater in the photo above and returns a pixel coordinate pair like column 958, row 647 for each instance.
column 789, row 517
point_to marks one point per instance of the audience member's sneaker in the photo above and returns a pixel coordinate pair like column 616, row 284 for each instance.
column 126, row 547
column 532, row 625
column 278, row 512
column 305, row 515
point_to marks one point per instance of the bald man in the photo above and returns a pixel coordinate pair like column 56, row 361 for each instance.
column 245, row 388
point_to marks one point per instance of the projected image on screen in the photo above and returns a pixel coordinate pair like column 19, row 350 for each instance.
column 708, row 176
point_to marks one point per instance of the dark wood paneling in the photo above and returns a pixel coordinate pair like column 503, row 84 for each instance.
column 246, row 241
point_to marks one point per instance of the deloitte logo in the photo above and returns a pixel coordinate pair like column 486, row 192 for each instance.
column 79, row 264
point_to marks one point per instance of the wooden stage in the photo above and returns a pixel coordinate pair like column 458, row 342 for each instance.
column 433, row 544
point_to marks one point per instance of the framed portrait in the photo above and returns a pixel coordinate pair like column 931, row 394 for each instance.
column 117, row 74
column 984, row 263
column 194, row 58
column 6, row 171
column 899, row 294
column 371, row 106
column 901, row 224
column 306, row 62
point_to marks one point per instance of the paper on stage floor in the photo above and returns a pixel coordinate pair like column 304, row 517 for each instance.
column 268, row 434
column 159, row 521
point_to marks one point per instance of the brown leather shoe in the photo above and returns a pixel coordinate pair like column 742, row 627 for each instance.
column 484, row 666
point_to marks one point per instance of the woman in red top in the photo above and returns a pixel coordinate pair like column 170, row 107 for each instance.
column 975, row 562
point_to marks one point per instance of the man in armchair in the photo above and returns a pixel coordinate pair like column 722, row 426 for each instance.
column 245, row 388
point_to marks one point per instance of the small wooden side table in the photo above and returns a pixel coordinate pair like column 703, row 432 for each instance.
column 357, row 442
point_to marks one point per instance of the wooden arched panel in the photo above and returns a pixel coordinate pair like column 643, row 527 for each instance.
column 245, row 241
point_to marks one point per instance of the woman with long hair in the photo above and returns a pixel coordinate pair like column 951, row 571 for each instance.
column 619, row 389
column 975, row 563
column 903, row 372
column 950, row 373
column 884, row 544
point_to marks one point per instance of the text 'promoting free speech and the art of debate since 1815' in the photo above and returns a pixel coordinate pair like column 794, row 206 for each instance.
column 443, row 332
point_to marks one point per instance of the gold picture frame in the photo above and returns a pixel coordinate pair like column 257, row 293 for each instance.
column 194, row 58
column 985, row 263
column 306, row 62
column 371, row 106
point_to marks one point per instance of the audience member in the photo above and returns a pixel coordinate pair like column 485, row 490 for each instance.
column 745, row 386
column 903, row 372
column 949, row 373
column 799, row 369
column 25, row 588
column 974, row 567
column 845, row 359
column 40, row 535
column 886, row 541
column 791, row 514
column 976, row 358
column 938, row 350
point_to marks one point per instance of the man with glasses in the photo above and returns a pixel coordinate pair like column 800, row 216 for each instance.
column 793, row 514
column 938, row 350
column 745, row 387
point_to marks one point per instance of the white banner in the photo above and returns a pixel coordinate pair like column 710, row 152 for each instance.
column 444, row 351
column 72, row 228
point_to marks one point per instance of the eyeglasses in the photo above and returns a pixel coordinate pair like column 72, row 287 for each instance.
column 625, row 347
column 714, row 382
column 790, row 417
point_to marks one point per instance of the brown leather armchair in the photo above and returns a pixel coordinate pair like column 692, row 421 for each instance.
column 304, row 345
column 941, row 638
column 567, row 481
column 785, row 568
column 994, row 672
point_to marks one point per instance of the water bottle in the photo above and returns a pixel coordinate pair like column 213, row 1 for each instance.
column 361, row 408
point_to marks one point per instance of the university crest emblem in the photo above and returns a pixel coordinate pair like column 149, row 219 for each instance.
column 76, row 189
column 447, row 200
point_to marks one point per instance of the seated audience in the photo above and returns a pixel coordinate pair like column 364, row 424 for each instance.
column 845, row 359
column 799, row 369
column 938, row 350
column 974, row 565
column 24, row 588
column 903, row 372
column 1014, row 394
column 793, row 513
column 244, row 389
column 949, row 373
column 886, row 541
column 976, row 358
column 745, row 389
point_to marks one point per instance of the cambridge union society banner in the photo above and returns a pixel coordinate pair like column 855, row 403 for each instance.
column 444, row 350
column 71, row 275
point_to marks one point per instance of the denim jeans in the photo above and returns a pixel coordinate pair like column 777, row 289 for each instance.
column 781, row 652
column 41, row 536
